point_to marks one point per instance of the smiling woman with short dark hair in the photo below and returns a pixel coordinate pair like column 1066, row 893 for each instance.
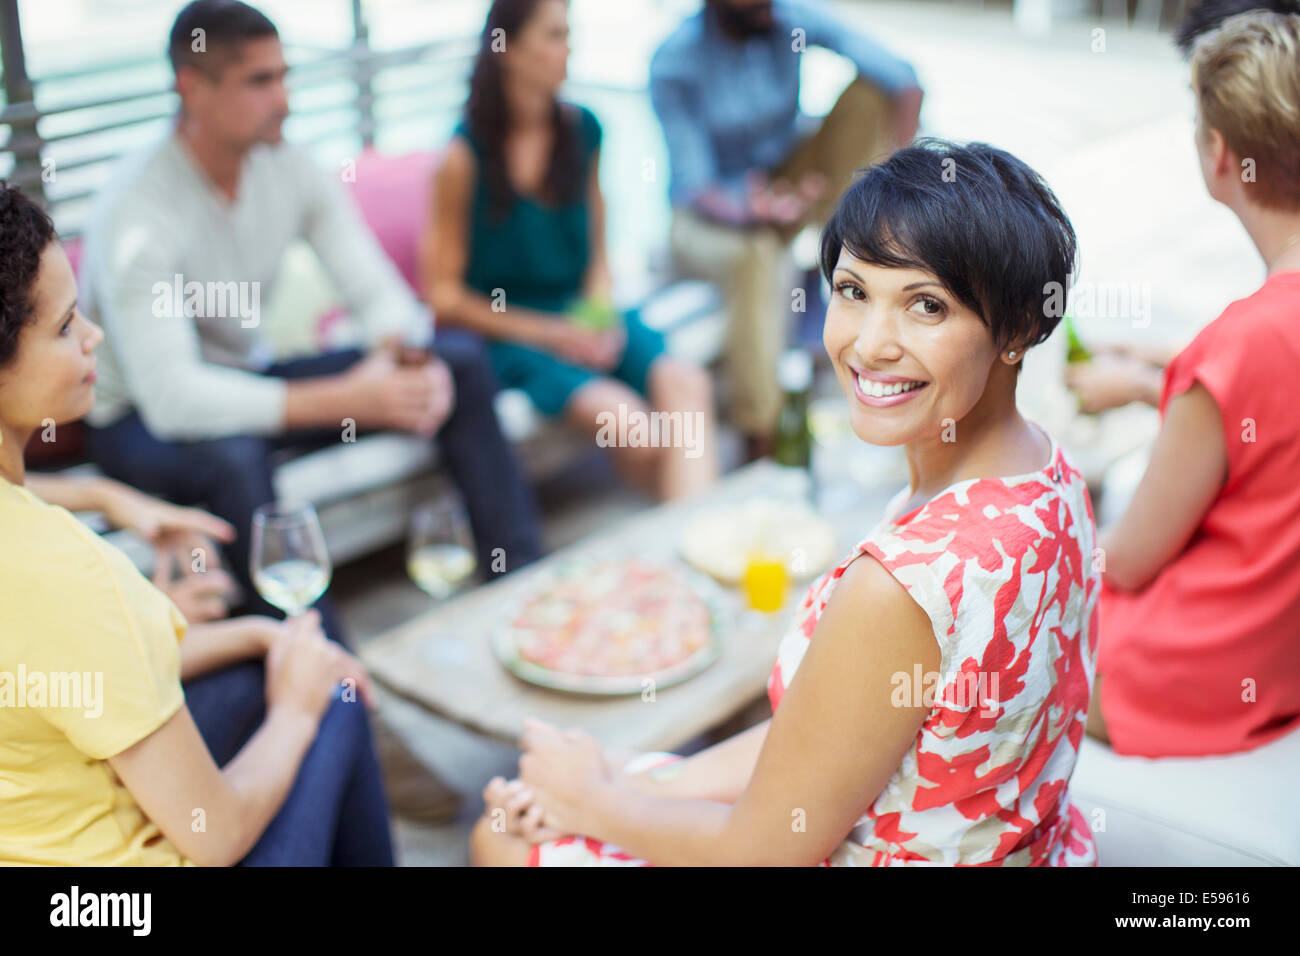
column 983, row 222
column 929, row 701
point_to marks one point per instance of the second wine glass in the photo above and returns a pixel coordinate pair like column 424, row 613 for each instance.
column 440, row 557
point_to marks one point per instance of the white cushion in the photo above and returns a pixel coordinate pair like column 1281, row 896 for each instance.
column 520, row 420
column 352, row 468
column 700, row 341
column 376, row 460
column 680, row 303
column 1235, row 810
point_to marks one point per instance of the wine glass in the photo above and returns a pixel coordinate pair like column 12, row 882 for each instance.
column 440, row 553
column 291, row 566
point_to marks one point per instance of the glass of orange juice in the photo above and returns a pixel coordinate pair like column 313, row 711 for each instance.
column 765, row 581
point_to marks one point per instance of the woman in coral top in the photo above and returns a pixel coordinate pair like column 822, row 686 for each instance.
column 978, row 581
column 1200, row 615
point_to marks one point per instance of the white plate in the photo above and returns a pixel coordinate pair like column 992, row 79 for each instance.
column 719, row 543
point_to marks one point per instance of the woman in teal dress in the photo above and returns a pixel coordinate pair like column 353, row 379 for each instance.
column 516, row 253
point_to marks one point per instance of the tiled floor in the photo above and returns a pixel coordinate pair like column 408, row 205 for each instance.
column 1110, row 130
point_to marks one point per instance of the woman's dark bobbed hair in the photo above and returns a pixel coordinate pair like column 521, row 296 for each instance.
column 25, row 231
column 975, row 217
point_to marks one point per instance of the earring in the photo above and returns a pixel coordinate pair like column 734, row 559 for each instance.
column 1011, row 354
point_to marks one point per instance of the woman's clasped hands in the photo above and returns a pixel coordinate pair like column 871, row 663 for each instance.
column 561, row 773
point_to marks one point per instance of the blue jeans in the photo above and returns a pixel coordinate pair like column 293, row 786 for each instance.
column 231, row 476
column 336, row 814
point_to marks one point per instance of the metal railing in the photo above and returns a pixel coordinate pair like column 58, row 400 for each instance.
column 376, row 89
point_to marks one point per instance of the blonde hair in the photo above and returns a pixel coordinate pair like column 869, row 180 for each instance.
column 1246, row 76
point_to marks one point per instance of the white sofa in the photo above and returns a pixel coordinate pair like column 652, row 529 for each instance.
column 1236, row 810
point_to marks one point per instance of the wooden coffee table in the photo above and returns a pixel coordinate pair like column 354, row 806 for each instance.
column 443, row 658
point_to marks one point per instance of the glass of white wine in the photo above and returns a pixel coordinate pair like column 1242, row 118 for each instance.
column 440, row 555
column 291, row 567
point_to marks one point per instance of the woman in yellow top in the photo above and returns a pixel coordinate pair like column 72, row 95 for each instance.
column 101, row 760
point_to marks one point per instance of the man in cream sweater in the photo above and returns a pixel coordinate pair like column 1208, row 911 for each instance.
column 180, row 253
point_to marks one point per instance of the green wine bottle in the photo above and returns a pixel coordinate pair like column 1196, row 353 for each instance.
column 793, row 446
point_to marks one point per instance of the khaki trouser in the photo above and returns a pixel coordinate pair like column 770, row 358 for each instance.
column 753, row 266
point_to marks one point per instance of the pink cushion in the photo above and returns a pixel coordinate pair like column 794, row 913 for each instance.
column 72, row 249
column 393, row 194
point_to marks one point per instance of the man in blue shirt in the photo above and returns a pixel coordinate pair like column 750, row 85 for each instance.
column 747, row 172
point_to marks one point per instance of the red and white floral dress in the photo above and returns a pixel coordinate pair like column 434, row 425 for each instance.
column 1005, row 570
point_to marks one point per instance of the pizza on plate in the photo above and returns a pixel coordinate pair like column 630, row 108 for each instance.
column 614, row 620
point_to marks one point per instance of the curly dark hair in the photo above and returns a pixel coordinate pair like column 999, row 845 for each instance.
column 25, row 231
